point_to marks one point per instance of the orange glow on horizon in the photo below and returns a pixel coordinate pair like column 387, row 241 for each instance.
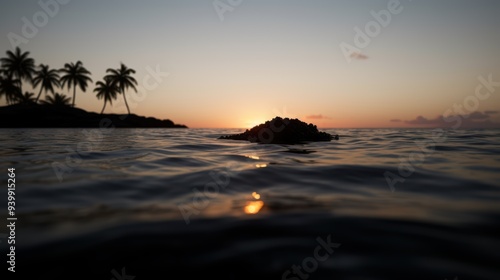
column 252, row 123
column 348, row 121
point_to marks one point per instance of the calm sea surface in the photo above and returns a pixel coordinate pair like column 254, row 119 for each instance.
column 152, row 203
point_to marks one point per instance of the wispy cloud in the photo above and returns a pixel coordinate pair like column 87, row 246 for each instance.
column 358, row 56
column 473, row 120
column 425, row 121
column 479, row 116
column 318, row 117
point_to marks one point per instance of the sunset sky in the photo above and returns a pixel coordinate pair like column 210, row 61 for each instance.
column 246, row 63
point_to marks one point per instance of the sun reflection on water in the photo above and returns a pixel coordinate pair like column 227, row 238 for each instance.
column 254, row 206
column 256, row 195
column 254, row 157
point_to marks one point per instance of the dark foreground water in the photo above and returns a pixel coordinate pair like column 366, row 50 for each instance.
column 157, row 203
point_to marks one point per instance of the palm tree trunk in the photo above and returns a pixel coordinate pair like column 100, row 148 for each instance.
column 20, row 87
column 41, row 88
column 103, row 107
column 126, row 104
column 74, row 95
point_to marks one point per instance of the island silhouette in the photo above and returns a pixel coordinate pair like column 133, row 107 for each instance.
column 283, row 131
column 23, row 110
column 64, row 116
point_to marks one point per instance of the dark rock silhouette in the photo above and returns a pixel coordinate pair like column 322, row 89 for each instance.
column 48, row 116
column 283, row 131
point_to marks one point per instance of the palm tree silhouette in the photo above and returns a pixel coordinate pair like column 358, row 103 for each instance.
column 107, row 90
column 10, row 88
column 122, row 79
column 75, row 75
column 27, row 98
column 47, row 78
column 18, row 65
column 57, row 100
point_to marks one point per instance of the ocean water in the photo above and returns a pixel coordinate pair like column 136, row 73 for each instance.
column 156, row 203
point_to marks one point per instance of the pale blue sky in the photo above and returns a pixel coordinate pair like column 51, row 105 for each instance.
column 267, row 57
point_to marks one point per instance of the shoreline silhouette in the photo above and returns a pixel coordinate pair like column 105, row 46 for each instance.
column 54, row 116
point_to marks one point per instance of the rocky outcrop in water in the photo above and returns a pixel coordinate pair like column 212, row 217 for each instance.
column 283, row 131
